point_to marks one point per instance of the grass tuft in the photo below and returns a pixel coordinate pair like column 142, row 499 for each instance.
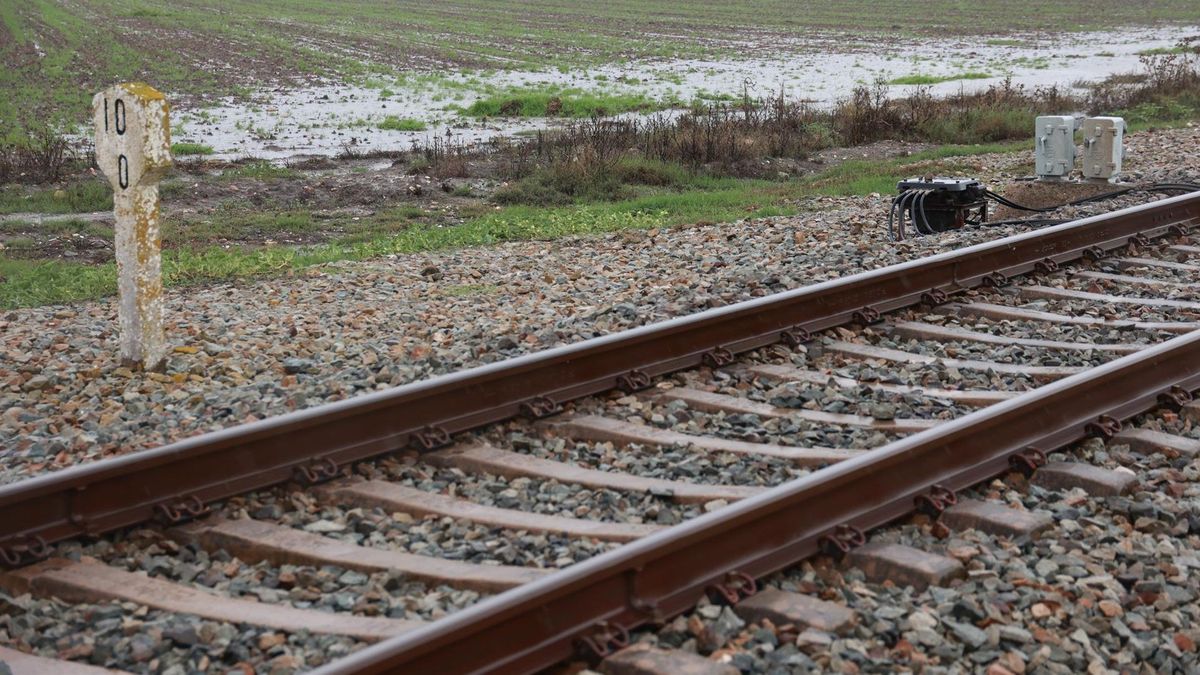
column 393, row 123
column 575, row 103
column 82, row 197
column 181, row 149
column 936, row 79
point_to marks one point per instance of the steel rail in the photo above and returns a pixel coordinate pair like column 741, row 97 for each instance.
column 94, row 498
column 651, row 579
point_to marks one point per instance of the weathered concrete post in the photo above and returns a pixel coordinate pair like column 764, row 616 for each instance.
column 133, row 149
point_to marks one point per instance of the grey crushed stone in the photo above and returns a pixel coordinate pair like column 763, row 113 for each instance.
column 140, row 640
column 255, row 350
column 1112, row 587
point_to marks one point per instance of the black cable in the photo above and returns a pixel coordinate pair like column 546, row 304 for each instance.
column 1157, row 187
column 919, row 209
column 902, row 201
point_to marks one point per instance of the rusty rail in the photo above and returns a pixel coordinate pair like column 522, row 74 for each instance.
column 536, row 625
column 174, row 482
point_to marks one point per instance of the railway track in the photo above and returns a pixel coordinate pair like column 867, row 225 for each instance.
column 658, row 466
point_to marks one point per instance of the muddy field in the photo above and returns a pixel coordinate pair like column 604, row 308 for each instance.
column 281, row 79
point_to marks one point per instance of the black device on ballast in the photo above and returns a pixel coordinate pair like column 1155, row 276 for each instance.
column 938, row 204
column 935, row 205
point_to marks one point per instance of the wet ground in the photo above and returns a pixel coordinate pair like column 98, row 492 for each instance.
column 334, row 117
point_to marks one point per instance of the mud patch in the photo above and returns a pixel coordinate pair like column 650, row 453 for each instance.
column 1043, row 194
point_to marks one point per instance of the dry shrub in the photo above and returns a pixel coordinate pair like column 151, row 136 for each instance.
column 42, row 158
column 1163, row 76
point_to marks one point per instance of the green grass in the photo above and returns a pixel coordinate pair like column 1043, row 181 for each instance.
column 181, row 149
column 84, row 197
column 393, row 123
column 935, row 79
column 570, row 102
column 1160, row 51
column 368, row 40
column 1162, row 113
column 698, row 200
column 261, row 169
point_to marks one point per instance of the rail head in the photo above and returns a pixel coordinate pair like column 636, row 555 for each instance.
column 655, row 577
column 98, row 497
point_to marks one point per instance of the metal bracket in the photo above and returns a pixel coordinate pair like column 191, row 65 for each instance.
column 1094, row 253
column 1106, row 426
column 18, row 553
column 736, row 587
column 936, row 501
column 1139, row 239
column 1175, row 398
column 320, row 470
column 934, row 297
column 840, row 541
column 429, row 438
column 186, row 509
column 717, row 357
column 794, row 337
column 1028, row 461
column 539, row 407
column 1179, row 230
column 995, row 280
column 605, row 638
column 1045, row 266
column 866, row 316
column 634, row 380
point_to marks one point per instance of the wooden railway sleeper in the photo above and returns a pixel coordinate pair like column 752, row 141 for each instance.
column 841, row 541
column 25, row 551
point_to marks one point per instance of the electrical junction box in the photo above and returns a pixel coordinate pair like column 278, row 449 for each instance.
column 1103, row 148
column 1055, row 146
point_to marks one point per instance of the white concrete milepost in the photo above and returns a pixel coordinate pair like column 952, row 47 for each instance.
column 133, row 149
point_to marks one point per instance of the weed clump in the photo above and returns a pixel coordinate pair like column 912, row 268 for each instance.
column 42, row 157
column 393, row 123
column 183, row 149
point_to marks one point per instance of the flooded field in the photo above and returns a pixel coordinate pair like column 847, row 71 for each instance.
column 293, row 121
column 333, row 117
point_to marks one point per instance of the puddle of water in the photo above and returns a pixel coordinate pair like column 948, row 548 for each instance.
column 326, row 119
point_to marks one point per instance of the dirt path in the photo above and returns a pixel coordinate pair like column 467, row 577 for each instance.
column 94, row 217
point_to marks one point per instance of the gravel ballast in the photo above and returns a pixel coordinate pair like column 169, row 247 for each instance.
column 1109, row 588
column 245, row 352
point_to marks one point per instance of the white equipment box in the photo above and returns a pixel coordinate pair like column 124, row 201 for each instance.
column 1055, row 153
column 1103, row 148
